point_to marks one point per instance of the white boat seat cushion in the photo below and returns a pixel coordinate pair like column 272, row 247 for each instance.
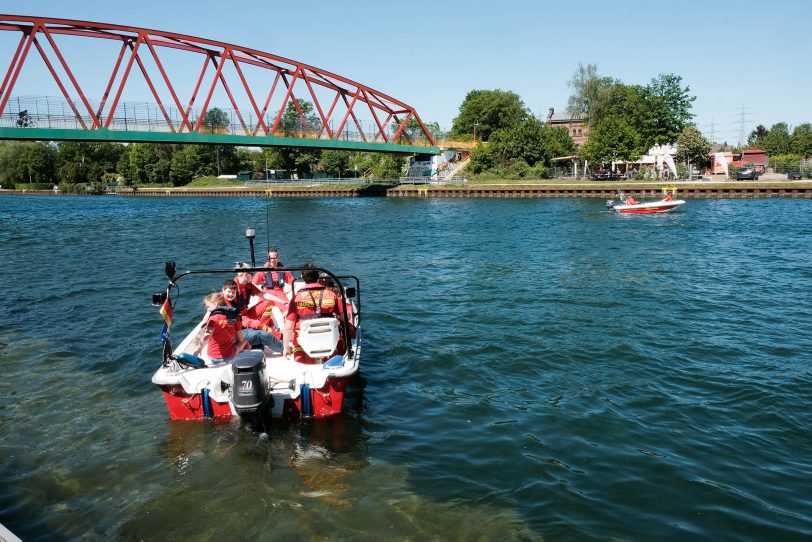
column 318, row 337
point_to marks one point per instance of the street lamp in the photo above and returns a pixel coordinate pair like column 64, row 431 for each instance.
column 476, row 123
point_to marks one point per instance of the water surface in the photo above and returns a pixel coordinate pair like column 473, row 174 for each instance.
column 533, row 369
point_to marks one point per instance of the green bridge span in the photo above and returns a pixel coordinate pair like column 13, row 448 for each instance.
column 202, row 138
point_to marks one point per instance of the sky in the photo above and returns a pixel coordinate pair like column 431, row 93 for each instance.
column 747, row 62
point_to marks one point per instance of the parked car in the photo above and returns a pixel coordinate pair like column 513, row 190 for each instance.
column 794, row 175
column 747, row 173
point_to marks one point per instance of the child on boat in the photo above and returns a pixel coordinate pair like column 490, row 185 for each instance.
column 223, row 336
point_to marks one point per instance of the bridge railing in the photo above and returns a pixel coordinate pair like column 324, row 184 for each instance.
column 55, row 113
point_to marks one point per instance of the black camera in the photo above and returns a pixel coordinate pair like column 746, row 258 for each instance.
column 158, row 299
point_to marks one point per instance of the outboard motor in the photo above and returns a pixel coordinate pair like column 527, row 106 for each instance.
column 248, row 392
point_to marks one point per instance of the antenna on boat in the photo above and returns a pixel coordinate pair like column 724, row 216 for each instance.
column 250, row 233
column 267, row 223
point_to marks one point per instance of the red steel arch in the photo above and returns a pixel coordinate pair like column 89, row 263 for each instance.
column 138, row 45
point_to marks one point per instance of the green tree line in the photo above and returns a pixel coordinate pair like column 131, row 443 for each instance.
column 81, row 166
column 624, row 122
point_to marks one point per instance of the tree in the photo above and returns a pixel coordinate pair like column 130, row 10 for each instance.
column 593, row 97
column 777, row 141
column 414, row 131
column 612, row 139
column 757, row 135
column 336, row 163
column 482, row 158
column 658, row 112
column 299, row 159
column 9, row 151
column 668, row 108
column 87, row 162
column 185, row 165
column 524, row 142
column 252, row 160
column 692, row 146
column 215, row 121
column 160, row 171
column 801, row 140
column 485, row 111
column 522, row 150
column 388, row 166
column 141, row 159
column 292, row 124
column 36, row 163
column 557, row 142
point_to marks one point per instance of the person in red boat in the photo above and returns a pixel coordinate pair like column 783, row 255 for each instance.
column 277, row 284
column 313, row 300
column 343, row 306
column 631, row 201
column 238, row 293
column 668, row 197
column 223, row 337
column 274, row 280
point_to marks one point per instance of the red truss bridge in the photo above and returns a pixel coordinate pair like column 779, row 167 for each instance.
column 110, row 82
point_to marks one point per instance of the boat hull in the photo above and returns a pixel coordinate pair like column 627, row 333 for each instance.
column 289, row 389
column 648, row 207
column 323, row 402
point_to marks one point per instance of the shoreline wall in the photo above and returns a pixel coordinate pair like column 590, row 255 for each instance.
column 773, row 190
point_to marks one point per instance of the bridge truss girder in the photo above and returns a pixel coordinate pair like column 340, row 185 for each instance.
column 294, row 81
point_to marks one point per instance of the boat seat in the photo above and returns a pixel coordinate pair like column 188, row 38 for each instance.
column 318, row 337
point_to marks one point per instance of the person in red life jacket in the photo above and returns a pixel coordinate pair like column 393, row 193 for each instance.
column 630, row 201
column 667, row 197
column 275, row 283
column 343, row 306
column 223, row 337
column 237, row 293
column 274, row 280
column 313, row 300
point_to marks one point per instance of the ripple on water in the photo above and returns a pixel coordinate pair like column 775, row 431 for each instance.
column 532, row 369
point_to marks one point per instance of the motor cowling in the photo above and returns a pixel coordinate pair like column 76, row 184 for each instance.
column 248, row 391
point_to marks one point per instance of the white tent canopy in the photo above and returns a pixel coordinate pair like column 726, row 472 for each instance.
column 720, row 159
column 664, row 157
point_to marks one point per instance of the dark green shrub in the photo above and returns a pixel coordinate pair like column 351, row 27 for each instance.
column 34, row 186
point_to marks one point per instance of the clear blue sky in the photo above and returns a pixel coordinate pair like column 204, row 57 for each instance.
column 742, row 60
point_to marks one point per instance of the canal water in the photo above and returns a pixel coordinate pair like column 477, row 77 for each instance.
column 532, row 369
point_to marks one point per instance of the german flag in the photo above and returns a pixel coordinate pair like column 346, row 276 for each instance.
column 166, row 312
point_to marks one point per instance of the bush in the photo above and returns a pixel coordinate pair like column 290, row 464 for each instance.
column 539, row 171
column 33, row 186
column 72, row 188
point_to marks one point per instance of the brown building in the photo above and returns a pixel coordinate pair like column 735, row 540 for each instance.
column 579, row 132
